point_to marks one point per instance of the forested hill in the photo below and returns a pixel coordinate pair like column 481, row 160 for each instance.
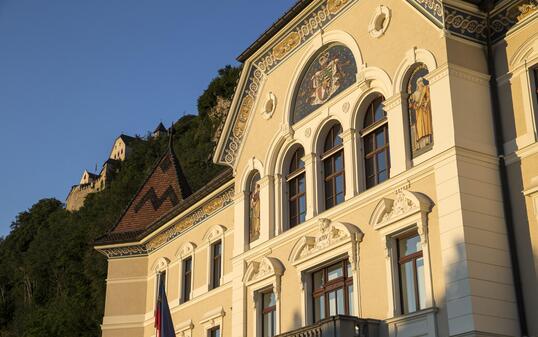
column 52, row 281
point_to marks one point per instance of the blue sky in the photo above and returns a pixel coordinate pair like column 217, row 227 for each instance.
column 74, row 74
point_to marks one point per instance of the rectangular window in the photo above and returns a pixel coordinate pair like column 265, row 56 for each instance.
column 332, row 292
column 214, row 332
column 411, row 270
column 216, row 261
column 268, row 314
column 187, row 279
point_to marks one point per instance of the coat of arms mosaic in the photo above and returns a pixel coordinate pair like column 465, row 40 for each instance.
column 332, row 71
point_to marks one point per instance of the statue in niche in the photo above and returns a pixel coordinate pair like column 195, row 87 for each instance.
column 254, row 208
column 419, row 108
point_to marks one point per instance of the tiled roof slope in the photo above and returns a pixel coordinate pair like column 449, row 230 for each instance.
column 164, row 188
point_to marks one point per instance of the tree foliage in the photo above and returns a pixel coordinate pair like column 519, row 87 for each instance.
column 52, row 281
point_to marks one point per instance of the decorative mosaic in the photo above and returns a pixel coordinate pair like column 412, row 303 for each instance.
column 318, row 18
column 331, row 72
column 433, row 8
column 194, row 218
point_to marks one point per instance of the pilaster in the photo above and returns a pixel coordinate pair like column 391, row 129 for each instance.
column 350, row 162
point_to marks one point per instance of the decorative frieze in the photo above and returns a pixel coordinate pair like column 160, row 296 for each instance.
column 433, row 9
column 197, row 216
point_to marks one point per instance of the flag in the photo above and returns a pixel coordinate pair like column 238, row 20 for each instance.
column 163, row 318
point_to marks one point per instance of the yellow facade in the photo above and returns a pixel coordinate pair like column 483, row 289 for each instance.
column 448, row 194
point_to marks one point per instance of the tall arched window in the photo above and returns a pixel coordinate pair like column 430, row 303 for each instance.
column 296, row 189
column 375, row 138
column 254, row 207
column 333, row 167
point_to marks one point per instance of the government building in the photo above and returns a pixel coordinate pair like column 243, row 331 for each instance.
column 381, row 181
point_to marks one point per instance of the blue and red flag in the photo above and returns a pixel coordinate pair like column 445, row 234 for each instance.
column 163, row 318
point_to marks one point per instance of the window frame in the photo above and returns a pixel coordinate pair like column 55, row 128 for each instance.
column 369, row 131
column 343, row 282
column 330, row 154
column 211, row 331
column 216, row 280
column 186, row 295
column 268, row 310
column 296, row 173
column 401, row 261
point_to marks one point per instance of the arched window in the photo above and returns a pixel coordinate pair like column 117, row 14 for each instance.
column 333, row 167
column 254, row 207
column 296, row 189
column 419, row 110
column 375, row 138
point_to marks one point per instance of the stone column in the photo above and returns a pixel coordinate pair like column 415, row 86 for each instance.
column 311, row 169
column 398, row 134
column 350, row 162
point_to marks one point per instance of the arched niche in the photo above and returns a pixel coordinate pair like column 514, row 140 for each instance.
column 412, row 57
column 331, row 70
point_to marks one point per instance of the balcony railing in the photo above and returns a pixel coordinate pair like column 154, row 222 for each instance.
column 338, row 326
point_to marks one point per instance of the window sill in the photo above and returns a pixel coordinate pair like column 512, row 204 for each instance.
column 412, row 315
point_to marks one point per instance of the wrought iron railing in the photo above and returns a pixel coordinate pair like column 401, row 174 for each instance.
column 338, row 326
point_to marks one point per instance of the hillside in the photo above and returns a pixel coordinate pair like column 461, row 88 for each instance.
column 52, row 282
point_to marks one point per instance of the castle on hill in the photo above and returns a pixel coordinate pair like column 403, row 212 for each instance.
column 94, row 182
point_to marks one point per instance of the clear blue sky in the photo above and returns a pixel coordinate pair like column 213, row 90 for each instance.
column 74, row 74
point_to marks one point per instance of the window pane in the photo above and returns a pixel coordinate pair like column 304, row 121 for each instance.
column 349, row 271
column 301, row 181
column 269, row 324
column 302, row 206
column 380, row 138
column 338, row 162
column 319, row 308
column 408, row 287
column 319, row 279
column 409, row 246
column 338, row 135
column 269, row 300
column 421, row 283
column 379, row 112
column 368, row 144
column 328, row 166
column 332, row 303
column 293, row 187
column 334, row 272
column 340, row 301
column 339, row 180
column 350, row 299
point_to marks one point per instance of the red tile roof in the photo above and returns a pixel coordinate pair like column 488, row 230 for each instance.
column 164, row 188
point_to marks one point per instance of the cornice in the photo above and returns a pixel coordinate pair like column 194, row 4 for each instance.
column 168, row 233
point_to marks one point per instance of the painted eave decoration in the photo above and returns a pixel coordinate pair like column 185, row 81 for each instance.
column 465, row 21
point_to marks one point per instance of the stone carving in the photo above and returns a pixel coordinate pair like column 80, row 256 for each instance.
column 266, row 267
column 214, row 233
column 329, row 235
column 186, row 249
column 379, row 22
column 345, row 107
column 401, row 205
column 270, row 106
column 527, row 9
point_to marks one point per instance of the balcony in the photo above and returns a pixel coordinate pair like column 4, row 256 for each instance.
column 338, row 326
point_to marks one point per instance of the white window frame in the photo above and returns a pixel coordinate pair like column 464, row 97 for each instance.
column 333, row 241
column 162, row 264
column 185, row 251
column 393, row 218
column 212, row 319
column 213, row 235
column 261, row 276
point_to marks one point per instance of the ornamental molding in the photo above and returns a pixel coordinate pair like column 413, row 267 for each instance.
column 184, row 329
column 260, row 270
column 406, row 204
column 329, row 235
column 380, row 22
column 160, row 265
column 186, row 249
column 200, row 214
column 304, row 29
column 214, row 233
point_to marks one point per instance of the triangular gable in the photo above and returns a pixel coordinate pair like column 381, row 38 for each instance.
column 164, row 188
